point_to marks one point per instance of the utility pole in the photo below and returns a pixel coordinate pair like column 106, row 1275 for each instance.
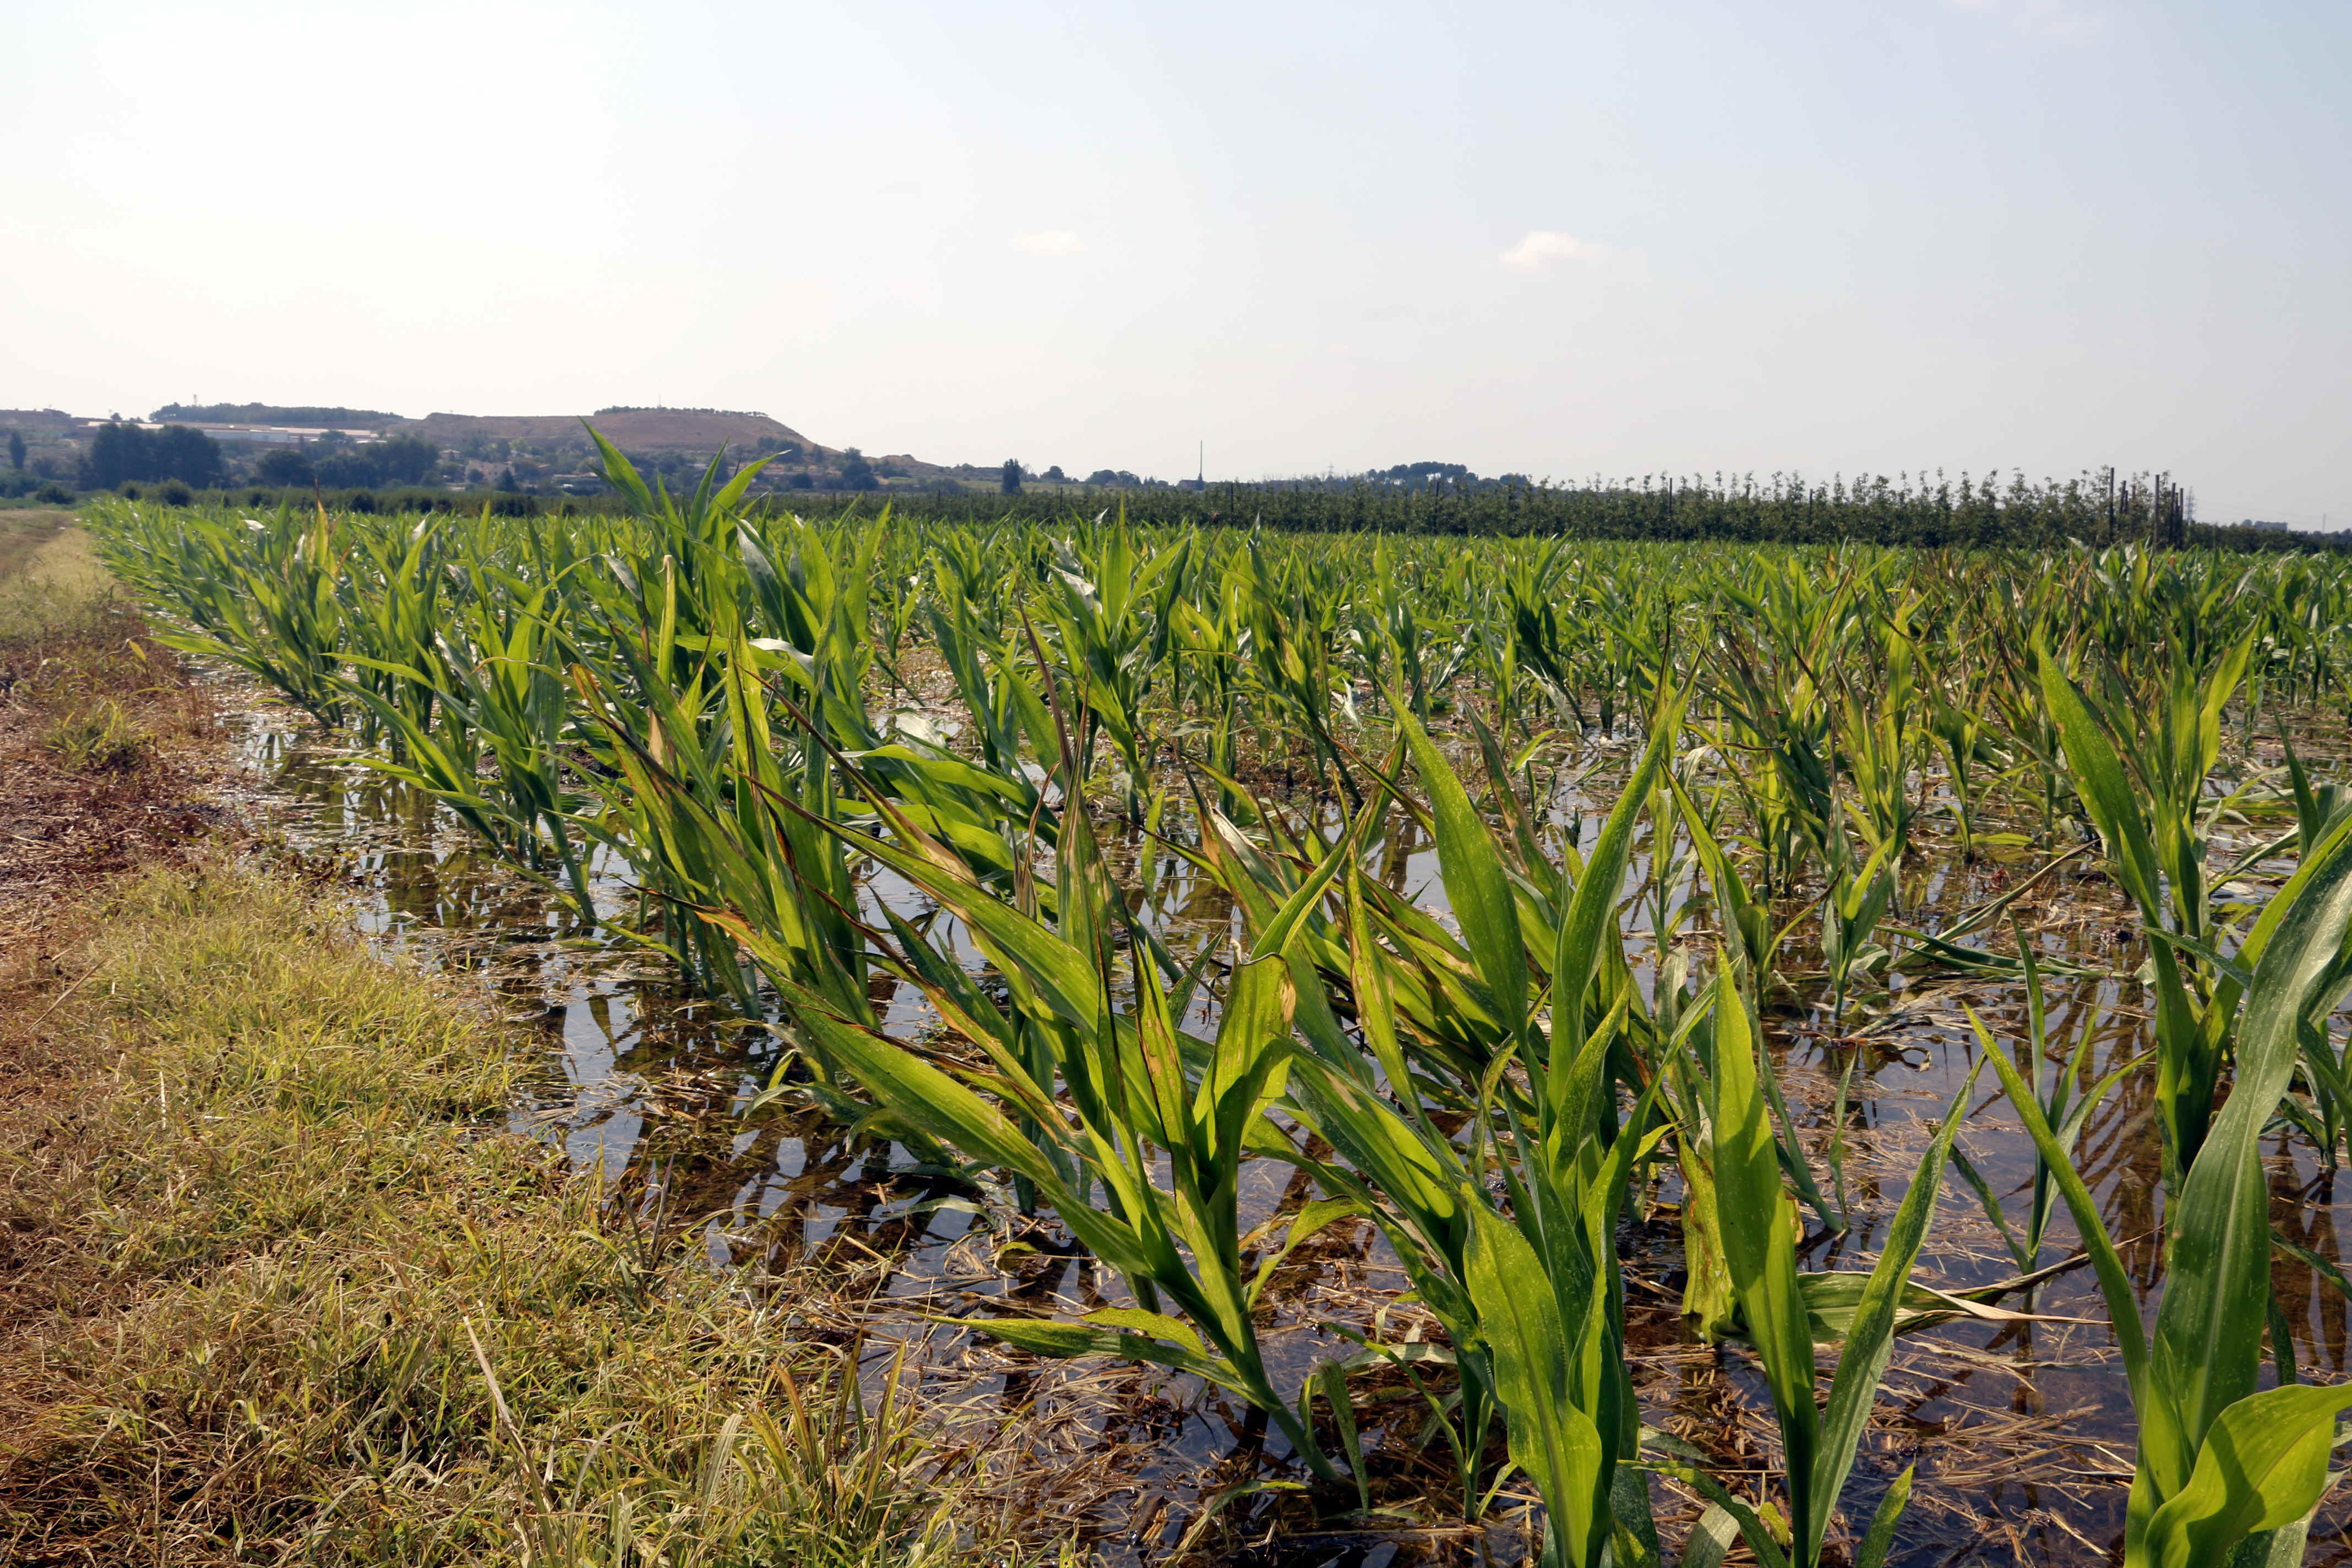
column 1200, row 478
column 2167, row 521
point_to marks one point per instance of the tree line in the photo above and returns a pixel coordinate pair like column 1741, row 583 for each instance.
column 122, row 453
column 2099, row 508
column 401, row 460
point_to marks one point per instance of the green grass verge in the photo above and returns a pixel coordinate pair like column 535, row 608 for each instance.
column 288, row 1290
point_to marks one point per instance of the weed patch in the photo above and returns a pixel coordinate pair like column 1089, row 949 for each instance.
column 97, row 737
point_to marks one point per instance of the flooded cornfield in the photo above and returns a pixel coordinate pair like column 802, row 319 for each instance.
column 2012, row 1405
column 1326, row 1050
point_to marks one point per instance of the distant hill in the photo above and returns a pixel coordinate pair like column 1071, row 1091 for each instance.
column 632, row 429
column 34, row 419
column 552, row 450
column 272, row 414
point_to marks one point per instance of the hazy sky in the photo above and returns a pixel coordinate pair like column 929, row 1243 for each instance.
column 1857, row 235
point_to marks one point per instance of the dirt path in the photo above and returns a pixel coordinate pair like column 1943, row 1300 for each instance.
column 22, row 535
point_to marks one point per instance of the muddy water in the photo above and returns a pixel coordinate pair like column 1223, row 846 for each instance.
column 2020, row 1430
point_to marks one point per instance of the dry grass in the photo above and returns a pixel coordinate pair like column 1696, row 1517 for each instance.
column 283, row 1288
column 50, row 578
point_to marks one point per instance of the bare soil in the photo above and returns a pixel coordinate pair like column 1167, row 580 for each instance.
column 63, row 828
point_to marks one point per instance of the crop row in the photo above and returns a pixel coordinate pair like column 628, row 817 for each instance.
column 756, row 719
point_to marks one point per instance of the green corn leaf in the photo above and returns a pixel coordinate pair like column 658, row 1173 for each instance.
column 1278, row 932
column 2281, row 1548
column 1757, row 1228
column 937, row 1104
column 1711, row 1539
column 1252, row 1040
column 1752, row 1527
column 1331, row 1380
column 1637, row 1545
column 1476, row 882
column 1163, row 1098
column 1792, row 1158
column 622, row 474
column 1833, row 1298
column 726, row 499
column 2209, row 1329
column 1410, row 1171
column 1554, row 1442
column 1136, row 1321
column 2326, row 1271
column 1990, row 1201
column 2263, row 1467
column 1369, row 964
column 1876, row 1542
column 1063, row 978
column 1043, row 1336
column 1593, row 911
column 2104, row 786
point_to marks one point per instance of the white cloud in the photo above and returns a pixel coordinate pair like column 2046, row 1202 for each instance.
column 1052, row 242
column 1542, row 247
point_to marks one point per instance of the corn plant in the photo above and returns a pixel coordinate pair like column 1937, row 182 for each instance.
column 1961, row 734
column 1112, row 622
column 1539, row 1284
column 260, row 596
column 1747, row 920
column 1293, row 619
column 2220, row 1464
column 1394, row 628
column 1876, row 740
column 1526, row 1289
column 2153, row 819
column 1540, row 638
column 1138, row 1093
column 395, row 631
column 1857, row 898
column 1004, row 705
column 1756, row 1223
